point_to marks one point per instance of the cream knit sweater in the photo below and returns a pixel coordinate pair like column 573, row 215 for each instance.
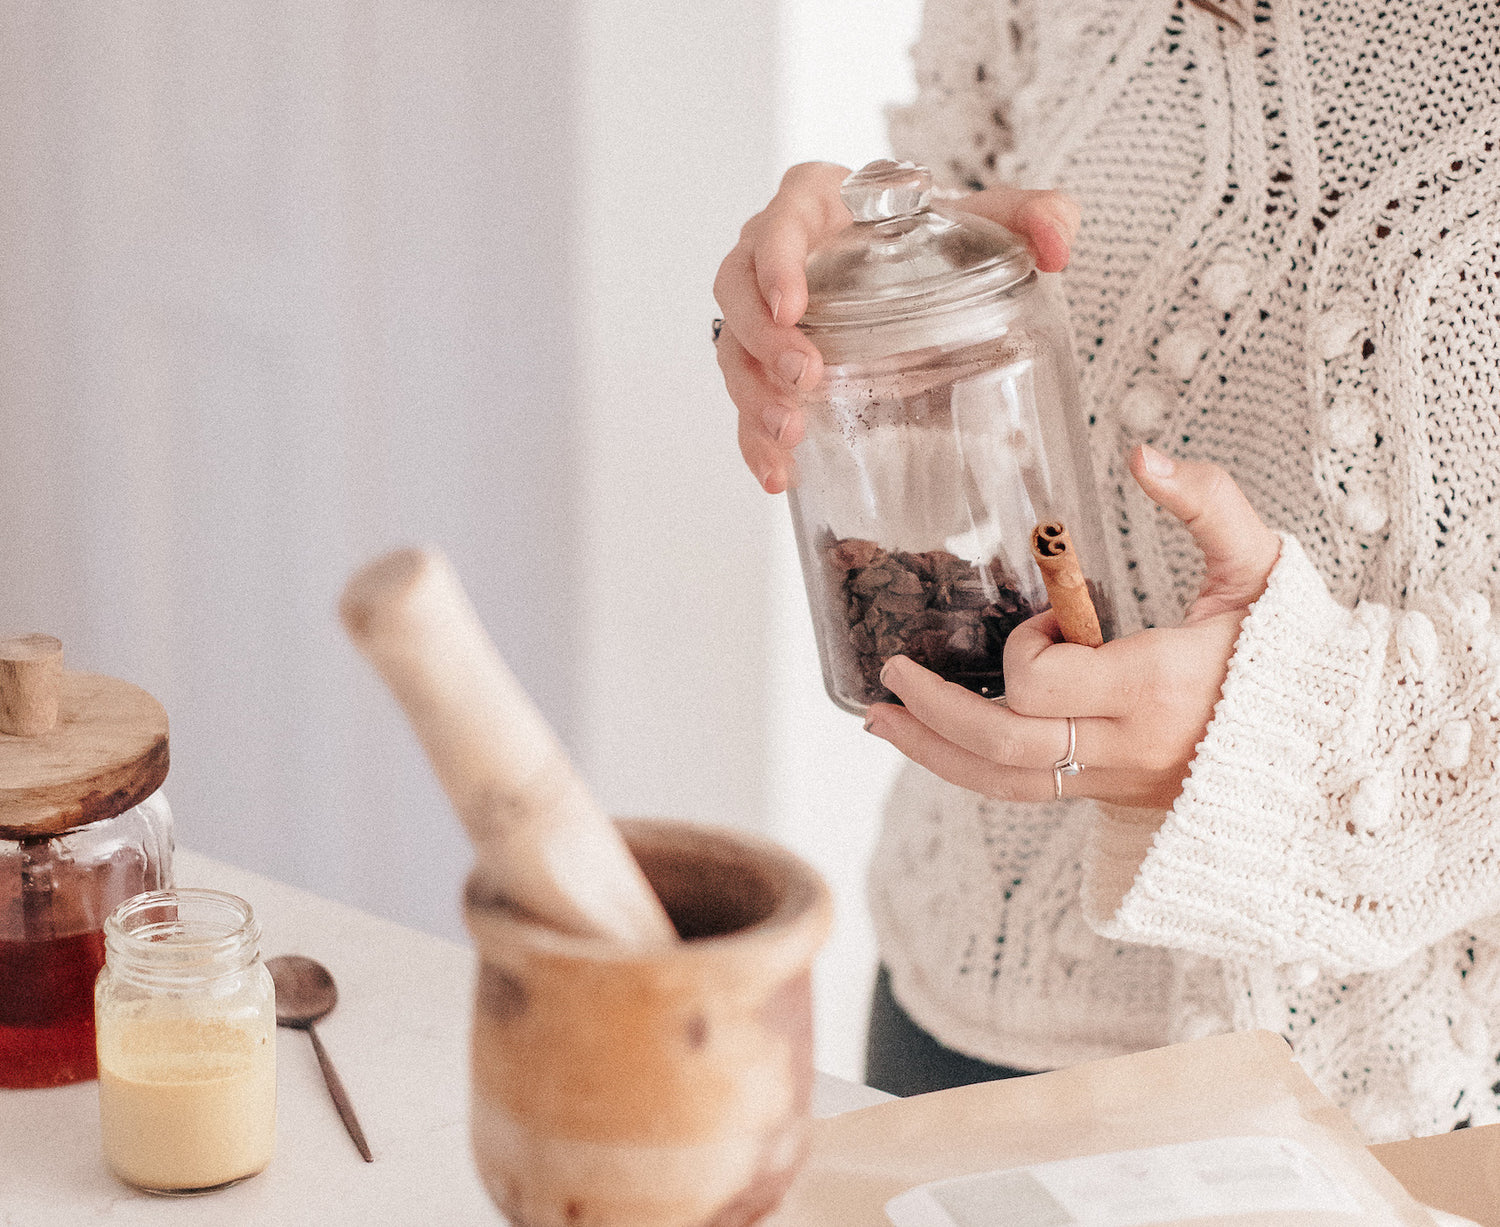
column 1290, row 265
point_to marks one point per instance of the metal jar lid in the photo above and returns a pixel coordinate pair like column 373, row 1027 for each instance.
column 906, row 276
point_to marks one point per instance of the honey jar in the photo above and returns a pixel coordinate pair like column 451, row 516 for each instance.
column 83, row 827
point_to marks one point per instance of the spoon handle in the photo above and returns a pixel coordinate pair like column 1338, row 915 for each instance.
column 340, row 1097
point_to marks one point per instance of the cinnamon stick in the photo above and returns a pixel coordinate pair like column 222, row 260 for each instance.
column 1066, row 588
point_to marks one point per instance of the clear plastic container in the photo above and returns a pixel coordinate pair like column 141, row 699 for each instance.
column 186, row 1016
column 948, row 426
column 55, row 893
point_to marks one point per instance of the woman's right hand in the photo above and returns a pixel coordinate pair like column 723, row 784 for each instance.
column 762, row 290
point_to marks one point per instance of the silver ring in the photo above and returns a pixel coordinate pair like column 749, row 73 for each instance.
column 1067, row 765
column 718, row 328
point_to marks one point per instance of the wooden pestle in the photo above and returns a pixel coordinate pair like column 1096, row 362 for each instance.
column 541, row 842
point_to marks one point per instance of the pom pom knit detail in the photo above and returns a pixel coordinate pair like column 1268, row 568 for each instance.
column 1365, row 511
column 1143, row 408
column 1373, row 801
column 1181, row 351
column 1451, row 749
column 1333, row 335
column 1225, row 283
column 1305, row 974
column 1473, row 613
column 1416, row 642
column 1351, row 422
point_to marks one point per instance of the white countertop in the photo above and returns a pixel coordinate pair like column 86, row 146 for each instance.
column 399, row 1039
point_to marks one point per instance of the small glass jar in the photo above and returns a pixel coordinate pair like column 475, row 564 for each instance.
column 186, row 1019
column 947, row 429
column 55, row 892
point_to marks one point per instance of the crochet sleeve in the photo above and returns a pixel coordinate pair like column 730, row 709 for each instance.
column 970, row 59
column 1343, row 809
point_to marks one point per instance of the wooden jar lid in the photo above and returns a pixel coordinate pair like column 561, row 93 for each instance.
column 74, row 747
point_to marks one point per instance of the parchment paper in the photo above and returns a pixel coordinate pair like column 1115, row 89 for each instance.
column 1237, row 1085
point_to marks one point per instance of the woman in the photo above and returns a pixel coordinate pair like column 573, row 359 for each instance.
column 1284, row 290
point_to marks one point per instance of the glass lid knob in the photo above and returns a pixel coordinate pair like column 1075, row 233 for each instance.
column 884, row 190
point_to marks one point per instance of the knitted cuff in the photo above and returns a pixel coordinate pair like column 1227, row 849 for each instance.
column 1228, row 872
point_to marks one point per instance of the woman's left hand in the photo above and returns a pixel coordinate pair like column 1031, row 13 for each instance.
column 1141, row 704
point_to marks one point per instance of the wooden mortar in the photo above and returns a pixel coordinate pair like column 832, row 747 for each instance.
column 652, row 1088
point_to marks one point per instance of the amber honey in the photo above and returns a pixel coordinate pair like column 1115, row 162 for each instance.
column 47, row 1009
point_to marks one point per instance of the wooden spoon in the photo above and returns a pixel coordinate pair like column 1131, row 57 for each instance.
column 541, row 842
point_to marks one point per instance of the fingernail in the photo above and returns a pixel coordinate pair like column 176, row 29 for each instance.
column 776, row 421
column 1155, row 462
column 885, row 672
column 764, row 477
column 791, row 365
column 776, row 307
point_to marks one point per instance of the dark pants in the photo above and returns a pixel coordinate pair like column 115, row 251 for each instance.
column 902, row 1059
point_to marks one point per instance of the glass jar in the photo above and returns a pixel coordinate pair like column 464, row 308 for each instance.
column 55, row 893
column 186, row 1017
column 83, row 826
column 947, row 428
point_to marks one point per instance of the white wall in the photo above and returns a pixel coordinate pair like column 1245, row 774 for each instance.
column 676, row 139
column 285, row 283
column 842, row 64
column 702, row 695
column 256, row 325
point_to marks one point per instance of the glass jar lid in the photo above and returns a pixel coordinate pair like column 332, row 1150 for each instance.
column 906, row 274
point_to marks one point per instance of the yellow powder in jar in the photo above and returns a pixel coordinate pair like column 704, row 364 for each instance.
column 186, row 1103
